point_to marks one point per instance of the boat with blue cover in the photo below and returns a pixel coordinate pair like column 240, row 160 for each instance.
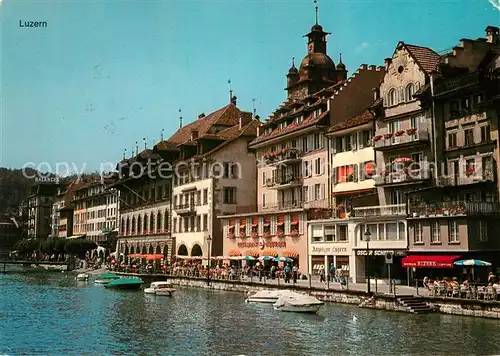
column 105, row 278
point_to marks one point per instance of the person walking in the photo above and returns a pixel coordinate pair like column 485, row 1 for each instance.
column 287, row 271
column 332, row 272
column 322, row 275
column 295, row 273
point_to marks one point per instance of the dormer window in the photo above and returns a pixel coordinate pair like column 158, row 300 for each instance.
column 194, row 135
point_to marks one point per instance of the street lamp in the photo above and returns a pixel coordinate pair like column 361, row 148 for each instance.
column 367, row 235
column 209, row 242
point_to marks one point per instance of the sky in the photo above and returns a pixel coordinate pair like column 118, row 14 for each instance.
column 104, row 74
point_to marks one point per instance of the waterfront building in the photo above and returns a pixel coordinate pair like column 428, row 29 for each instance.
column 144, row 182
column 62, row 209
column 402, row 152
column 460, row 216
column 292, row 156
column 214, row 175
column 352, row 167
column 39, row 208
column 96, row 211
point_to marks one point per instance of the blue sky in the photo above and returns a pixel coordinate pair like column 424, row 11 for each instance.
column 105, row 74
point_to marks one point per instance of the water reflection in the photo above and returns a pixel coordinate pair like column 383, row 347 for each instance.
column 59, row 315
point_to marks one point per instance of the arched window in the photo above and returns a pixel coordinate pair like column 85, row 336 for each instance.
column 122, row 227
column 139, row 224
column 152, row 223
column 159, row 222
column 127, row 228
column 391, row 97
column 410, row 90
column 167, row 221
column 133, row 230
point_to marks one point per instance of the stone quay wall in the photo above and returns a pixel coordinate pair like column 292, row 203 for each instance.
column 454, row 306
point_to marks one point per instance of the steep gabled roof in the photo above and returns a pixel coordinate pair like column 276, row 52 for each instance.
column 426, row 58
column 362, row 118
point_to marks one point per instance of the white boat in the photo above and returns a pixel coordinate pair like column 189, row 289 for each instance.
column 268, row 296
column 160, row 288
column 82, row 277
column 298, row 303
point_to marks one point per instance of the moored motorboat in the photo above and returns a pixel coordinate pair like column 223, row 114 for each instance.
column 125, row 283
column 298, row 304
column 105, row 278
column 82, row 277
column 160, row 288
column 268, row 296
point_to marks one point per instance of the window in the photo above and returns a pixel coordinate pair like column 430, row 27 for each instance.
column 342, row 233
column 418, row 233
column 453, row 231
column 454, row 108
column 318, row 166
column 354, row 141
column 304, row 144
column 470, row 166
column 485, row 133
column 397, row 197
column 307, row 169
column 230, row 195
column 329, row 233
column 198, row 223
column 410, row 90
column 452, row 139
column 366, row 140
column 465, row 105
column 205, row 222
column 317, row 141
column 391, row 97
column 174, row 220
column 483, row 231
column 317, row 192
column 469, row 136
column 435, row 231
column 478, row 99
column 317, row 233
column 205, row 196
column 305, row 193
column 263, row 200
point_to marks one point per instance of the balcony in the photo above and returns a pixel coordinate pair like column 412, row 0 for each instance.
column 381, row 210
column 438, row 209
column 185, row 209
column 283, row 157
column 285, row 181
column 400, row 139
column 468, row 178
column 457, row 83
column 403, row 177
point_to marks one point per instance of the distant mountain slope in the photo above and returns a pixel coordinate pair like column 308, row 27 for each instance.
column 14, row 187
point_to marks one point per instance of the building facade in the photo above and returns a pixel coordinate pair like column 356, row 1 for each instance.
column 461, row 215
column 39, row 207
column 215, row 174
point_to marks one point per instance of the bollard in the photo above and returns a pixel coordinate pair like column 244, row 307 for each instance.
column 309, row 277
column 278, row 276
column 376, row 286
column 328, row 283
column 416, row 286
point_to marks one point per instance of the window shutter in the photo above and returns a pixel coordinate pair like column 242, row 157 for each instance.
column 322, row 165
column 322, row 192
column 335, row 175
column 310, row 143
column 305, row 193
column 355, row 172
column 362, row 172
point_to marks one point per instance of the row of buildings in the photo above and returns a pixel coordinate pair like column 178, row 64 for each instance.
column 400, row 159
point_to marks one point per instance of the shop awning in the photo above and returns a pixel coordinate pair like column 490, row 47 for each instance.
column 430, row 261
column 234, row 252
column 291, row 253
column 155, row 256
column 252, row 253
column 269, row 252
column 353, row 192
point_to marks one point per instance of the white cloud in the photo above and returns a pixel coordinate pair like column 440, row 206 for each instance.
column 362, row 46
column 495, row 3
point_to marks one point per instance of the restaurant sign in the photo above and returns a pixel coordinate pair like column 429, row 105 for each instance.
column 329, row 250
column 261, row 244
column 399, row 253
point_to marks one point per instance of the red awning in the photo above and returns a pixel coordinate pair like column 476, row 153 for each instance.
column 354, row 192
column 429, row 261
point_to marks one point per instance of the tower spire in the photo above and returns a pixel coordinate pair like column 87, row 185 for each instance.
column 293, row 62
column 162, row 130
column 145, row 145
column 180, row 118
column 230, row 91
column 124, row 153
column 136, row 147
column 316, row 10
column 340, row 58
column 253, row 107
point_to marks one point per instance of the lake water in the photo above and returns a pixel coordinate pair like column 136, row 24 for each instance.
column 52, row 314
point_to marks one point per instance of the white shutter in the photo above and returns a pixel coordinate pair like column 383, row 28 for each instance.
column 305, row 193
column 322, row 192
column 362, row 171
column 317, row 231
column 322, row 165
column 310, row 143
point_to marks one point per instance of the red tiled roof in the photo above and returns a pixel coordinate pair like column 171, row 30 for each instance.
column 362, row 118
column 227, row 116
column 425, row 57
column 233, row 133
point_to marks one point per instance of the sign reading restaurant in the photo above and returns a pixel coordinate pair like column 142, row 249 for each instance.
column 261, row 244
column 328, row 250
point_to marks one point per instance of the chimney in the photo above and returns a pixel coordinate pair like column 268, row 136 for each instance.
column 194, row 135
column 387, row 63
column 233, row 100
column 241, row 123
column 258, row 131
column 201, row 116
column 492, row 34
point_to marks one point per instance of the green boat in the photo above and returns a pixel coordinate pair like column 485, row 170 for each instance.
column 125, row 283
column 105, row 278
